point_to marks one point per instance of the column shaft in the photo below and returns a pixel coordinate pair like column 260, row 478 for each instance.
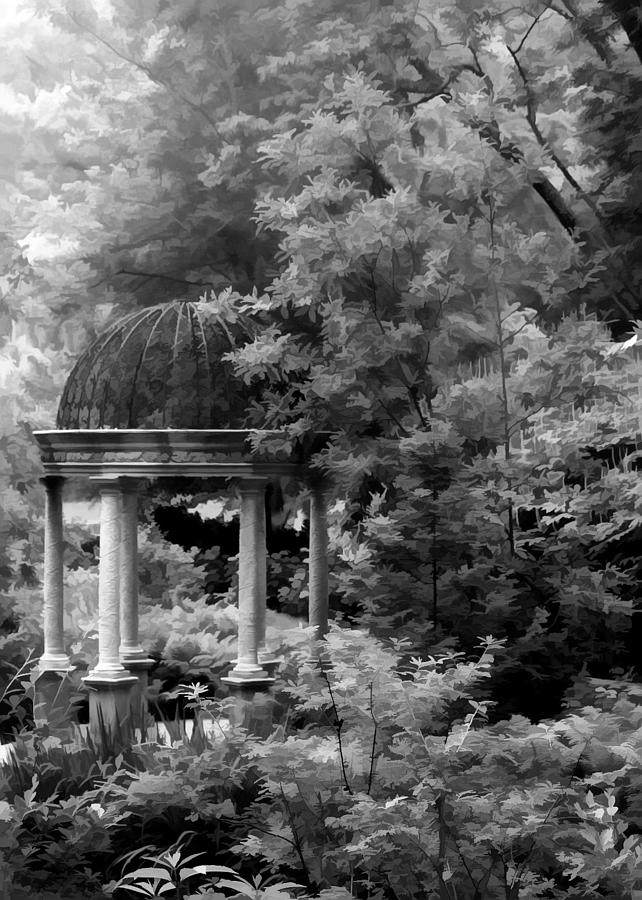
column 252, row 590
column 318, row 563
column 251, row 567
column 261, row 559
column 109, row 664
column 130, row 647
column 54, row 657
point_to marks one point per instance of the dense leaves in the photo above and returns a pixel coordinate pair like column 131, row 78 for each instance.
column 379, row 777
column 417, row 227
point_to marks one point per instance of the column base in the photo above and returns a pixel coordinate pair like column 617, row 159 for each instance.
column 98, row 677
column 252, row 707
column 53, row 704
column 110, row 711
column 138, row 665
column 254, row 677
column 127, row 653
column 139, row 668
column 54, row 662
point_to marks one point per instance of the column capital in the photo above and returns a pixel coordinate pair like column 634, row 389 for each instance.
column 52, row 481
column 319, row 483
column 108, row 483
column 250, row 484
column 128, row 484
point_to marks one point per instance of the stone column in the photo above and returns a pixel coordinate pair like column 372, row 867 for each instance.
column 267, row 659
column 109, row 680
column 53, row 687
column 252, row 589
column 261, row 562
column 318, row 562
column 132, row 654
column 130, row 648
column 54, row 658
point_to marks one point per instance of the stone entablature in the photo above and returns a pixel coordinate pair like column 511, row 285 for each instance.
column 165, row 452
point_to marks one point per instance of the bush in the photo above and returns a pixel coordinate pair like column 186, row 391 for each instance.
column 380, row 777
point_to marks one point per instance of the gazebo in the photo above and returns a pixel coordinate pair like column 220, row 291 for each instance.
column 154, row 397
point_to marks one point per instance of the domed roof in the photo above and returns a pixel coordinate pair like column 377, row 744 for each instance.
column 160, row 367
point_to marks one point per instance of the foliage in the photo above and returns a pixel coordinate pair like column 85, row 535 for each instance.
column 436, row 296
column 425, row 218
column 172, row 871
column 381, row 776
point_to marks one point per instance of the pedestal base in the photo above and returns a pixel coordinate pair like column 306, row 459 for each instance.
column 110, row 712
column 139, row 667
column 252, row 708
column 252, row 674
column 53, row 700
column 253, row 678
column 54, row 662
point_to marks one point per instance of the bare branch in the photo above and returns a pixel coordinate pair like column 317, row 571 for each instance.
column 529, row 30
column 136, row 274
column 628, row 17
column 297, row 839
column 148, row 72
column 338, row 724
column 531, row 118
column 374, row 742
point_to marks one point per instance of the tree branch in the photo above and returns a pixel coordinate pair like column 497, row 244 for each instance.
column 297, row 839
column 135, row 274
column 489, row 131
column 587, row 31
column 531, row 118
column 627, row 14
column 374, row 743
column 529, row 29
column 339, row 727
column 148, row 72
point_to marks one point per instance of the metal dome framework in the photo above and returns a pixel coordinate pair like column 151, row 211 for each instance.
column 154, row 397
column 161, row 367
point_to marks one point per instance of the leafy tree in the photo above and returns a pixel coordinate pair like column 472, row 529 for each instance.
column 423, row 330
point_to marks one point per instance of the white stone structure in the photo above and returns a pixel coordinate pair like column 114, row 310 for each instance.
column 166, row 363
column 117, row 460
column 318, row 561
column 54, row 659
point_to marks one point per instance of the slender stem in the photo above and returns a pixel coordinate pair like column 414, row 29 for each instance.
column 148, row 72
column 297, row 840
column 435, row 570
column 410, row 388
column 339, row 726
column 374, row 742
column 502, row 365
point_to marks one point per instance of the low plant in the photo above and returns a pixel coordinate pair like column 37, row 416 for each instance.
column 381, row 776
column 178, row 874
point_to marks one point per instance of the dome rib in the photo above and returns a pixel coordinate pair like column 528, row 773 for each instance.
column 77, row 382
column 197, row 379
column 139, row 319
column 139, row 364
column 117, row 330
